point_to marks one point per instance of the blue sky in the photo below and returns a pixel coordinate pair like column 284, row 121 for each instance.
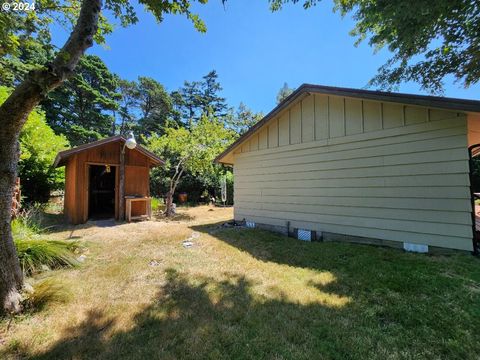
column 253, row 50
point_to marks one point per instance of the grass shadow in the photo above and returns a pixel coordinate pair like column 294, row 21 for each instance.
column 179, row 216
column 401, row 306
column 202, row 318
column 194, row 317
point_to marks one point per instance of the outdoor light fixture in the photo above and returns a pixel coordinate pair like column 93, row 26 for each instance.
column 131, row 143
column 107, row 168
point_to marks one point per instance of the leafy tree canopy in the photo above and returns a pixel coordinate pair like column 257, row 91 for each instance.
column 198, row 146
column 38, row 147
column 190, row 151
column 25, row 36
column 430, row 40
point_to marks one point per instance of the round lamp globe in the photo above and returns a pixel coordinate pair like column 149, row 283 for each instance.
column 131, row 143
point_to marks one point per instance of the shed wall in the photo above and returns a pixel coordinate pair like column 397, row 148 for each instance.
column 371, row 169
column 70, row 189
column 137, row 181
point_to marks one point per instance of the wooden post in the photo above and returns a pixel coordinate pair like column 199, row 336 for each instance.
column 128, row 208
column 121, row 186
column 149, row 207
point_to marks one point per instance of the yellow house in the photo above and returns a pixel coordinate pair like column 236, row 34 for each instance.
column 355, row 165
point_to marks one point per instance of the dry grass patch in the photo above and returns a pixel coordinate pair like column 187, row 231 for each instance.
column 249, row 294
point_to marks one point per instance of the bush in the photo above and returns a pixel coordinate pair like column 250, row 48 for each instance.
column 46, row 292
column 34, row 251
column 157, row 204
column 36, row 254
column 28, row 223
column 194, row 186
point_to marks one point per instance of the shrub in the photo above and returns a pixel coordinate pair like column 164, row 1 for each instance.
column 46, row 292
column 28, row 223
column 36, row 254
column 156, row 204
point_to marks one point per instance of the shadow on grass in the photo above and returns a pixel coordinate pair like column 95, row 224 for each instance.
column 179, row 216
column 402, row 306
column 199, row 317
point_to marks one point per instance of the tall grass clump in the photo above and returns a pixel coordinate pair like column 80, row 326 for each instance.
column 36, row 255
column 35, row 251
column 27, row 224
column 46, row 292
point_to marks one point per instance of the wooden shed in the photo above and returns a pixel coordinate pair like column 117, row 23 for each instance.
column 356, row 165
column 99, row 176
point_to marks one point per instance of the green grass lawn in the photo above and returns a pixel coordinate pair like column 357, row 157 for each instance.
column 251, row 294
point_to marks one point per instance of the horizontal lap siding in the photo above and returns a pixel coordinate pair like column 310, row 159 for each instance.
column 405, row 183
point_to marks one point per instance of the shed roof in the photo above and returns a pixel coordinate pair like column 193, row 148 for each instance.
column 62, row 156
column 438, row 102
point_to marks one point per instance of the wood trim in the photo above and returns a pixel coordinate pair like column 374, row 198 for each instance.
column 128, row 208
column 116, row 192
column 87, row 165
column 87, row 190
column 63, row 155
column 101, row 163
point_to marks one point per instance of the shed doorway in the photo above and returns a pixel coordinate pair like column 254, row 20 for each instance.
column 102, row 190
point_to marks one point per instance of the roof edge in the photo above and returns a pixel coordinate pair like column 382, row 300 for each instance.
column 446, row 103
column 63, row 155
column 277, row 109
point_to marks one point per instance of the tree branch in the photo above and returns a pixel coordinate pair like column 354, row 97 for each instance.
column 15, row 110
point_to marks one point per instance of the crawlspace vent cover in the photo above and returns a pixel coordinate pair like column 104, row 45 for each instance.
column 305, row 235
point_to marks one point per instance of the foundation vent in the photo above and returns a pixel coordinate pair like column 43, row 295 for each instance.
column 250, row 224
column 305, row 235
column 419, row 248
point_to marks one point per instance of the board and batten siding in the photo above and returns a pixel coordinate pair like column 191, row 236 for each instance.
column 361, row 168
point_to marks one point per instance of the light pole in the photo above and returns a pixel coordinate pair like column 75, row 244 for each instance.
column 131, row 144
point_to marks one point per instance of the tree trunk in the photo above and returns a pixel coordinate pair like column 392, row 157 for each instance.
column 11, row 276
column 169, row 204
column 173, row 186
column 13, row 114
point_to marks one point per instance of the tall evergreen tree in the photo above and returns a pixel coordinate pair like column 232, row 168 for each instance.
column 188, row 103
column 283, row 93
column 211, row 103
column 243, row 119
column 430, row 40
column 83, row 108
column 199, row 98
column 127, row 113
column 155, row 105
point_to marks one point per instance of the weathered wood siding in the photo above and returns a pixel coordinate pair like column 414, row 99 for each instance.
column 70, row 190
column 360, row 168
column 137, row 180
